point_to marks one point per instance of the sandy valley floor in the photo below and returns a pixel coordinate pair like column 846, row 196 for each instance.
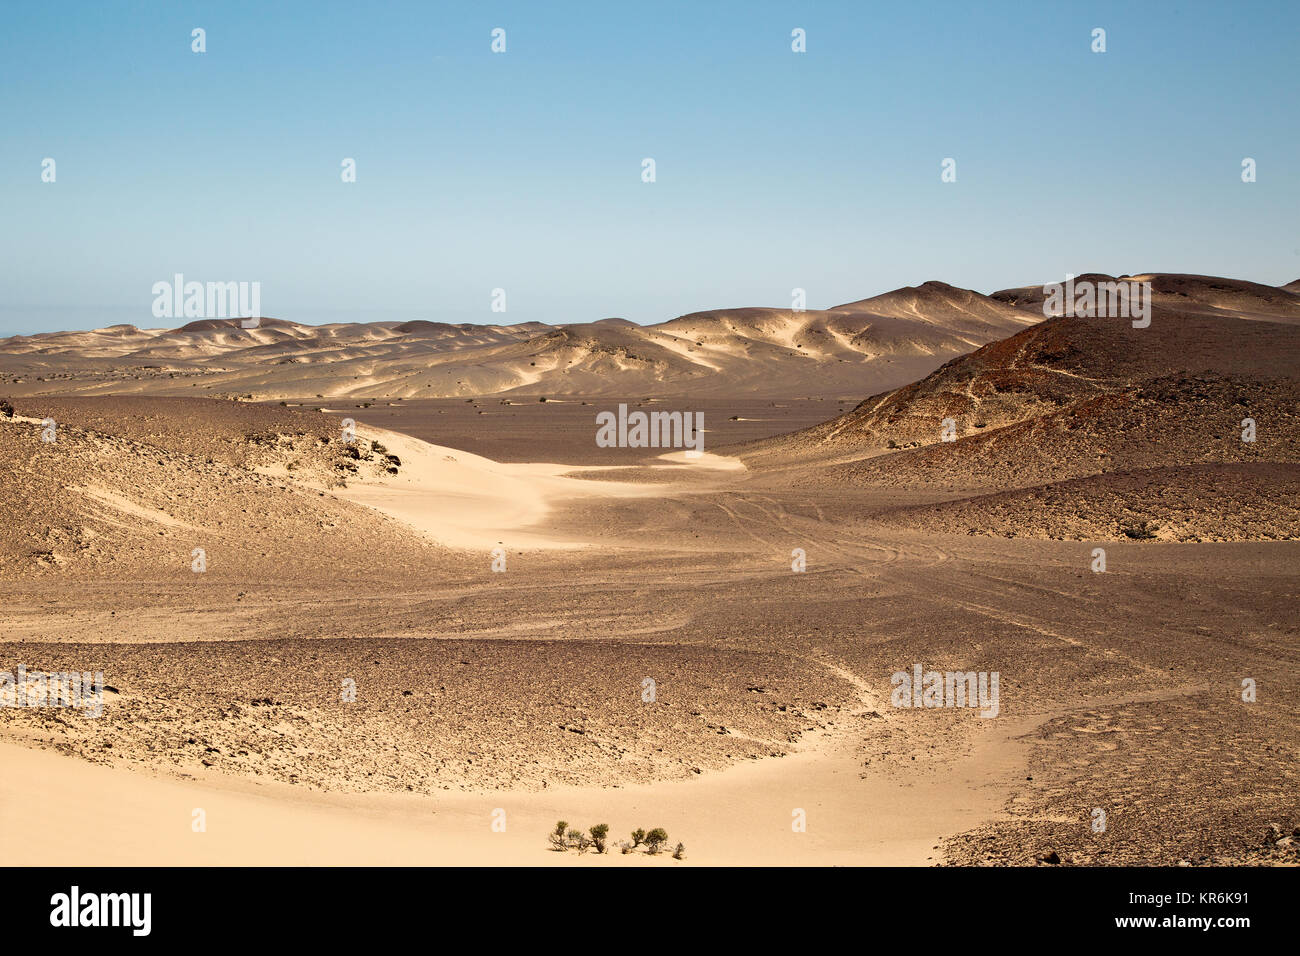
column 522, row 691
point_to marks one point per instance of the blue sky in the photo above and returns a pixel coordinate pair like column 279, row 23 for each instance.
column 522, row 170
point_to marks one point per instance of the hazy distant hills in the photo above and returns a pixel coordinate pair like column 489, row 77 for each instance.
column 880, row 342
column 1069, row 427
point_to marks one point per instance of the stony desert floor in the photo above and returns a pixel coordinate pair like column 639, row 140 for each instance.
column 520, row 695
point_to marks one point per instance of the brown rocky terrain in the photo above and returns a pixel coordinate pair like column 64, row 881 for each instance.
column 1061, row 412
column 133, row 485
column 1248, row 501
column 524, row 690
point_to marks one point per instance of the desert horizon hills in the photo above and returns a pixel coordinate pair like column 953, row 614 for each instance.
column 873, row 344
column 372, row 560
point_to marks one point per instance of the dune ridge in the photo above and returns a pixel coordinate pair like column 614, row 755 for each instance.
column 758, row 351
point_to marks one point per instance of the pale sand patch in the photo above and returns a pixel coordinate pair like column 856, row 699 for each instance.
column 463, row 500
column 127, row 506
column 83, row 814
column 701, row 459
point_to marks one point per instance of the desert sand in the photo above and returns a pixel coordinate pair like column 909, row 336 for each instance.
column 523, row 690
column 886, row 340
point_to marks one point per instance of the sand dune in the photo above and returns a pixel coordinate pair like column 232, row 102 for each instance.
column 1088, row 398
column 1050, row 367
column 467, row 501
column 1184, row 293
column 134, row 818
column 138, row 483
column 728, row 352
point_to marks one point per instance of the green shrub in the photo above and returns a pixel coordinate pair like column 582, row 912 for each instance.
column 655, row 840
column 599, row 833
column 557, row 836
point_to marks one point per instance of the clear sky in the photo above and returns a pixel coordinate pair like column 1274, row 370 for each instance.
column 522, row 170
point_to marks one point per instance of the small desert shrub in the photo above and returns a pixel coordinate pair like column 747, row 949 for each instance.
column 1140, row 530
column 655, row 840
column 377, row 448
column 563, row 837
column 579, row 840
column 557, row 836
column 891, row 444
